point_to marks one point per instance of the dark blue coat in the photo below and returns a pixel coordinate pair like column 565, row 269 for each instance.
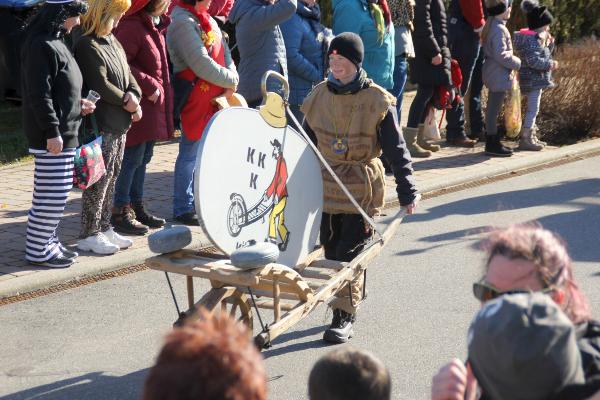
column 303, row 39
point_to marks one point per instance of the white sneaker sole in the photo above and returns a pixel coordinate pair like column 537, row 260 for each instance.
column 87, row 247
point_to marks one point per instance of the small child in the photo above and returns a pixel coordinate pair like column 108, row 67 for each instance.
column 534, row 46
column 497, row 72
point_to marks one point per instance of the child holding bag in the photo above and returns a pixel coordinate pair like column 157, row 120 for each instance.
column 534, row 45
column 498, row 70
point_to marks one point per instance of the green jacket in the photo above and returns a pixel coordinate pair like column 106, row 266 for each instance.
column 104, row 67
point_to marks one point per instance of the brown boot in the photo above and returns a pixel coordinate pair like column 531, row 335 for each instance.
column 416, row 151
column 424, row 143
column 123, row 220
column 526, row 141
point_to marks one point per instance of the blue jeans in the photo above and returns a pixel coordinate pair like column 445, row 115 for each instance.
column 130, row 183
column 464, row 47
column 400, row 68
column 183, row 187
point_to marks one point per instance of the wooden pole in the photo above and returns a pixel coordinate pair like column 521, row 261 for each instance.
column 190, row 291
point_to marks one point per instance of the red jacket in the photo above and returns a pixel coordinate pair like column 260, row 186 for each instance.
column 279, row 182
column 144, row 45
column 220, row 8
column 472, row 10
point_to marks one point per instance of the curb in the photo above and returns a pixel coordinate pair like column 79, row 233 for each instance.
column 94, row 266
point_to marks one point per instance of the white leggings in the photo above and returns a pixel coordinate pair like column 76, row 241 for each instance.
column 533, row 108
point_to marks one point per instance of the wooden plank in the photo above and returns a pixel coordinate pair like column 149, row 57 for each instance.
column 190, row 291
column 317, row 274
column 276, row 299
column 328, row 264
column 268, row 294
column 268, row 304
column 309, row 259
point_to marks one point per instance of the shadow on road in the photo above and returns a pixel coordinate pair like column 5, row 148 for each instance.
column 90, row 386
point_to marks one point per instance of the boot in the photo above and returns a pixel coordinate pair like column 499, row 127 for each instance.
column 535, row 138
column 410, row 136
column 341, row 327
column 123, row 220
column 421, row 141
column 526, row 142
column 146, row 219
column 495, row 148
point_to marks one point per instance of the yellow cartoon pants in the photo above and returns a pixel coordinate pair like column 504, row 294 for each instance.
column 277, row 214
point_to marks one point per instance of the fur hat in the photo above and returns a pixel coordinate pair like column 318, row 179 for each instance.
column 348, row 45
column 537, row 16
column 497, row 7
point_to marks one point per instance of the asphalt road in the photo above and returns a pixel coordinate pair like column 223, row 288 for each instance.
column 98, row 341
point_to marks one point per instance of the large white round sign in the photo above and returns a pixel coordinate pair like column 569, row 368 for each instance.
column 256, row 183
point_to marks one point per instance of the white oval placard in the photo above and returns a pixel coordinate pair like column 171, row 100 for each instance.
column 256, row 183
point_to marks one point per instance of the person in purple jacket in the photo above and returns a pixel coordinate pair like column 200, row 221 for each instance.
column 141, row 33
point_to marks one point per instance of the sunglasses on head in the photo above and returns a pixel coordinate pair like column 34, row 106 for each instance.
column 483, row 291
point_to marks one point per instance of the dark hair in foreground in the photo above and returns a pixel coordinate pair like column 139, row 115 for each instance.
column 210, row 359
column 51, row 17
column 349, row 374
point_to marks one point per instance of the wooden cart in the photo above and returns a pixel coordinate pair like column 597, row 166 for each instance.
column 292, row 293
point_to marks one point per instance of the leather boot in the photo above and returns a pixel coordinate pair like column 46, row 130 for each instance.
column 421, row 141
column 147, row 219
column 526, row 142
column 416, row 151
column 495, row 148
column 123, row 220
column 341, row 327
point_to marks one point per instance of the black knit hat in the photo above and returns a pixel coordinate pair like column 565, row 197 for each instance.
column 494, row 8
column 537, row 16
column 348, row 45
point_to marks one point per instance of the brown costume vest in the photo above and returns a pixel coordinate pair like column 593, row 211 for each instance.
column 357, row 118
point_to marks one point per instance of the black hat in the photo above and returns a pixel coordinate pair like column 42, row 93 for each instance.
column 348, row 45
column 537, row 16
column 495, row 7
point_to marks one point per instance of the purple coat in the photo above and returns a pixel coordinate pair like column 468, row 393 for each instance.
column 144, row 44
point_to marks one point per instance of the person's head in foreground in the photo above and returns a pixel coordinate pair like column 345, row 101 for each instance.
column 349, row 374
column 526, row 257
column 210, row 359
column 523, row 347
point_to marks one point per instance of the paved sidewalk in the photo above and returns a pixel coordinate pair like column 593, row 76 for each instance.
column 449, row 167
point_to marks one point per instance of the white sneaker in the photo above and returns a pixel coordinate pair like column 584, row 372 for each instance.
column 97, row 243
column 117, row 239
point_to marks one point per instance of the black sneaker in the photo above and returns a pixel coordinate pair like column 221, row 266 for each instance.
column 189, row 219
column 124, row 222
column 146, row 219
column 495, row 148
column 283, row 245
column 68, row 253
column 341, row 327
column 57, row 262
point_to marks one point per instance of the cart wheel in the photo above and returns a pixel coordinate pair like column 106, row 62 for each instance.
column 236, row 215
column 222, row 300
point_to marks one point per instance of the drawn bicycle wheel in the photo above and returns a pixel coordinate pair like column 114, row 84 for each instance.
column 236, row 215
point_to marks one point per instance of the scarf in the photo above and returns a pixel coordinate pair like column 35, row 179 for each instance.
column 381, row 15
column 360, row 82
column 208, row 36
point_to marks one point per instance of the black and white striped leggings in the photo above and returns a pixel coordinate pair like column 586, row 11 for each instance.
column 52, row 181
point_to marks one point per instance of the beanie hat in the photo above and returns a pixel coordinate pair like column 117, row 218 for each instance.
column 497, row 7
column 537, row 16
column 522, row 346
column 348, row 45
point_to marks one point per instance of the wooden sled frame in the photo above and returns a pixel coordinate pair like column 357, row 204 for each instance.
column 291, row 293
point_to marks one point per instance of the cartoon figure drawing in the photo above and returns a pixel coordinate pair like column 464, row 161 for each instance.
column 278, row 190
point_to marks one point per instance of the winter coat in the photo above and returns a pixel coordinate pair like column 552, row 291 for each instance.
column 499, row 62
column 260, row 42
column 220, row 8
column 468, row 12
column 535, row 72
column 304, row 51
column 51, row 87
column 430, row 39
column 104, row 67
column 355, row 16
column 146, row 51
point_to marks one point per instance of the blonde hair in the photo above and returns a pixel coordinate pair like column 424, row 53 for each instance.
column 100, row 13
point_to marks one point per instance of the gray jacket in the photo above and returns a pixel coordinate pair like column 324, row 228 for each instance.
column 259, row 41
column 499, row 58
column 187, row 50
